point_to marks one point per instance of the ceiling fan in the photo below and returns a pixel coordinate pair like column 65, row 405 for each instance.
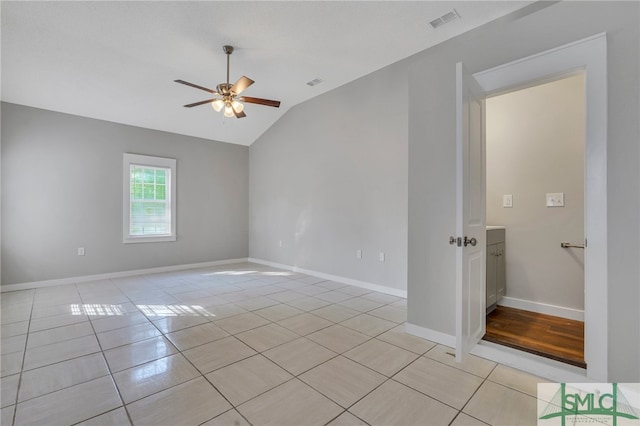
column 229, row 98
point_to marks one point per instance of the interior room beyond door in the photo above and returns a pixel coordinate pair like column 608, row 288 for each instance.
column 535, row 161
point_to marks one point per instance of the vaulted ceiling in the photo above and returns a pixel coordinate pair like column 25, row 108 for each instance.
column 117, row 60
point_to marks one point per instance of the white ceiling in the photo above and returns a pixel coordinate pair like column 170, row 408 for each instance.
column 116, row 61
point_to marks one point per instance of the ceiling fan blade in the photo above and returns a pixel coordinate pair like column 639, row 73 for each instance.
column 196, row 86
column 199, row 103
column 238, row 114
column 260, row 101
column 242, row 83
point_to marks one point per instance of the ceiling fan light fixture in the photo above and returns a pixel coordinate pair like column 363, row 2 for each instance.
column 217, row 105
column 228, row 111
column 231, row 107
column 239, row 107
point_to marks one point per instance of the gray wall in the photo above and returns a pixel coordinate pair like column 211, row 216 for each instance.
column 62, row 189
column 432, row 158
column 331, row 177
column 535, row 145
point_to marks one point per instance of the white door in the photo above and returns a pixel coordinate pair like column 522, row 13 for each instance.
column 470, row 213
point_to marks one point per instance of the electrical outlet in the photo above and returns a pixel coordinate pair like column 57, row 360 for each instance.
column 358, row 254
column 80, row 251
column 555, row 199
column 381, row 256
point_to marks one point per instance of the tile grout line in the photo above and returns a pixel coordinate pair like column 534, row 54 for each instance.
column 104, row 358
column 24, row 356
column 387, row 378
column 484, row 380
column 459, row 369
column 269, row 322
column 233, row 407
column 89, row 319
column 201, row 374
column 261, row 353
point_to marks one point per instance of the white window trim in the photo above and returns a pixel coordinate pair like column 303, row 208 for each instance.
column 146, row 160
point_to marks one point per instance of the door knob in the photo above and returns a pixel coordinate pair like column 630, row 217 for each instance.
column 471, row 241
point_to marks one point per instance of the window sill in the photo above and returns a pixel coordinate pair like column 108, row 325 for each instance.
column 149, row 239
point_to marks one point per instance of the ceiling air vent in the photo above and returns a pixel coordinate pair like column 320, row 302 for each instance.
column 314, row 82
column 444, row 19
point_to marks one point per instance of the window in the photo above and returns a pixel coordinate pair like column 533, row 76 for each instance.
column 149, row 205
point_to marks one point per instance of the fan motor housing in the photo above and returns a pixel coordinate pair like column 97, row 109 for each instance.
column 224, row 88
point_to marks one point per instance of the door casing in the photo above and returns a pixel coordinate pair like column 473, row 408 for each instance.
column 590, row 56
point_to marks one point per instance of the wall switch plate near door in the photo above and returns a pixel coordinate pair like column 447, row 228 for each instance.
column 507, row 200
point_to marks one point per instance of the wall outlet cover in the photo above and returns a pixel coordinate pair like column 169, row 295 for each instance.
column 555, row 199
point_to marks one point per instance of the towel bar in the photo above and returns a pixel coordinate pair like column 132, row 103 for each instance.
column 569, row 245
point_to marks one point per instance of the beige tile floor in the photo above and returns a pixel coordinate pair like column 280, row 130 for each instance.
column 239, row 345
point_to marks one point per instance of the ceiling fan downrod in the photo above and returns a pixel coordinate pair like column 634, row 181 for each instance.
column 228, row 50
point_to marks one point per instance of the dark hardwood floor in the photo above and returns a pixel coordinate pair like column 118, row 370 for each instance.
column 545, row 335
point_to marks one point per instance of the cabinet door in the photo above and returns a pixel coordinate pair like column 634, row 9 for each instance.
column 501, row 279
column 491, row 274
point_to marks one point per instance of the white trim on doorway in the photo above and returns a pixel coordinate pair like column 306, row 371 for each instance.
column 533, row 364
column 543, row 367
column 590, row 56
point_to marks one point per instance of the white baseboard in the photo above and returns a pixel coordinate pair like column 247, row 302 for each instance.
column 432, row 335
column 136, row 272
column 109, row 275
column 343, row 280
column 542, row 308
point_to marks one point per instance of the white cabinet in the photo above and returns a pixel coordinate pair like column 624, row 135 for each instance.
column 496, row 277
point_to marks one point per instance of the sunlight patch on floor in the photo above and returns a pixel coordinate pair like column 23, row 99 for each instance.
column 98, row 309
column 174, row 310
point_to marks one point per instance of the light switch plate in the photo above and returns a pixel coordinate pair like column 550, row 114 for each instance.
column 555, row 199
column 507, row 200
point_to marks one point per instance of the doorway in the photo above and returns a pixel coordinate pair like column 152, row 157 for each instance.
column 587, row 55
column 535, row 142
